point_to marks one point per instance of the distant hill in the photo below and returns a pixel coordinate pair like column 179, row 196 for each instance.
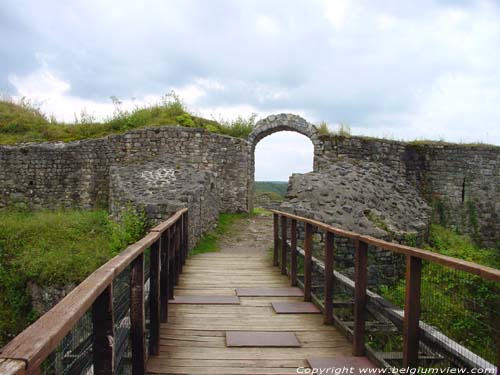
column 278, row 187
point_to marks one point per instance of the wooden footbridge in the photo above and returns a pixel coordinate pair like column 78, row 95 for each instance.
column 232, row 313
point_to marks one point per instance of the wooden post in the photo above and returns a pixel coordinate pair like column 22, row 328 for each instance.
column 164, row 287
column 103, row 322
column 276, row 239
column 283, row 244
column 360, row 280
column 178, row 261
column 137, row 321
column 154, row 299
column 411, row 329
column 308, row 262
column 185, row 227
column 181, row 244
column 171, row 264
column 293, row 253
column 328, row 312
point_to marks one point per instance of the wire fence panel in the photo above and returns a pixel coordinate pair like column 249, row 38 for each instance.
column 121, row 306
column 74, row 353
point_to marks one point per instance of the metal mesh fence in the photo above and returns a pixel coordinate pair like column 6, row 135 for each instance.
column 74, row 353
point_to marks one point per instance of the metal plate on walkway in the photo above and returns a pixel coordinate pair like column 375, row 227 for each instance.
column 205, row 300
column 269, row 292
column 261, row 339
column 286, row 307
column 323, row 364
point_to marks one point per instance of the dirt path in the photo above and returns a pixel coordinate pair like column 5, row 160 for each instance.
column 249, row 236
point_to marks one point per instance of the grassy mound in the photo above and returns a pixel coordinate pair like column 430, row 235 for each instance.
column 24, row 122
column 53, row 248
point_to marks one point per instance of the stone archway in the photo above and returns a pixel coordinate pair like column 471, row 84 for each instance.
column 281, row 122
column 273, row 124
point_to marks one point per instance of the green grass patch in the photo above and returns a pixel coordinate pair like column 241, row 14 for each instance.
column 23, row 121
column 54, row 248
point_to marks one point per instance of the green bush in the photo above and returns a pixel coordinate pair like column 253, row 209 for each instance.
column 54, row 248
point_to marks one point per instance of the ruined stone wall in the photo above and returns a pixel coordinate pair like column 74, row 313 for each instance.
column 461, row 182
column 76, row 174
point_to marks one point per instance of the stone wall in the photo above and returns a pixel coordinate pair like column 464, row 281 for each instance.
column 461, row 182
column 77, row 174
column 162, row 187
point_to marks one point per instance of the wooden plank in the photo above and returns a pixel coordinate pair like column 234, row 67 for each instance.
column 276, row 239
column 103, row 323
column 308, row 262
column 293, row 253
column 411, row 329
column 137, row 319
column 261, row 339
column 154, row 298
column 283, row 244
column 360, row 280
column 12, row 367
column 329, row 278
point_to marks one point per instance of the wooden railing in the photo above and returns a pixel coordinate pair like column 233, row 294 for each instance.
column 168, row 244
column 411, row 327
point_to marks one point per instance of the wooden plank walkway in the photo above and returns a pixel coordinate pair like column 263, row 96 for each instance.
column 193, row 341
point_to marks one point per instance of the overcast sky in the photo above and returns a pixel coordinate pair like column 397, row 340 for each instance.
column 396, row 69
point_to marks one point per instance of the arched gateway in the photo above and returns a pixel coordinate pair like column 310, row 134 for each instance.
column 273, row 124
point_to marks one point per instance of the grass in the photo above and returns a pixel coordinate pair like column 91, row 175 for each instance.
column 277, row 187
column 54, row 248
column 23, row 121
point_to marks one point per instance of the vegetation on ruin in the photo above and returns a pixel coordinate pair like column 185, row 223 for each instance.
column 54, row 248
column 22, row 121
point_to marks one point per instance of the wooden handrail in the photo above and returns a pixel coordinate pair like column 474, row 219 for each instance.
column 33, row 345
column 455, row 263
column 414, row 257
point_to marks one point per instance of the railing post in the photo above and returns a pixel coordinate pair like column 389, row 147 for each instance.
column 186, row 233
column 164, row 284
column 293, row 252
column 360, row 280
column 171, row 264
column 137, row 321
column 411, row 329
column 103, row 349
column 283, row 244
column 181, row 244
column 276, row 239
column 154, row 298
column 178, row 261
column 328, row 312
column 185, row 245
column 308, row 262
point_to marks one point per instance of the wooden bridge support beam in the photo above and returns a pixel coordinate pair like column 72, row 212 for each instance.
column 276, row 239
column 171, row 263
column 293, row 252
column 283, row 244
column 154, row 298
column 103, row 323
column 411, row 329
column 360, row 283
column 164, row 282
column 137, row 319
column 308, row 262
column 329, row 278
